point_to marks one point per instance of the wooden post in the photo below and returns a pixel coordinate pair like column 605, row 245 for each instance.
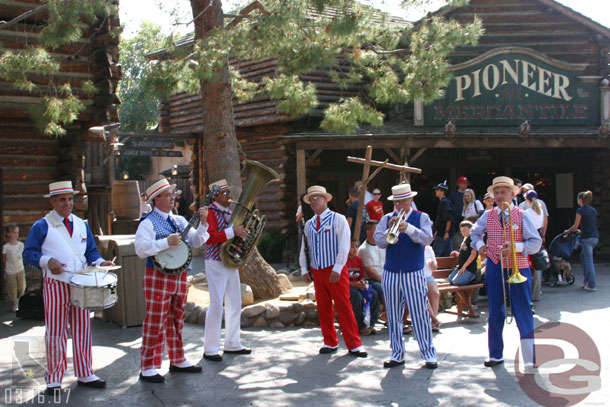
column 365, row 174
column 301, row 173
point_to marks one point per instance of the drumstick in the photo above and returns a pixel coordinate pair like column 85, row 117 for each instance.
column 106, row 272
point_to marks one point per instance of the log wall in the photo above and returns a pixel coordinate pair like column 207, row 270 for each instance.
column 31, row 160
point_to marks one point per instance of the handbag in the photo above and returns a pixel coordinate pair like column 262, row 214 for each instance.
column 541, row 260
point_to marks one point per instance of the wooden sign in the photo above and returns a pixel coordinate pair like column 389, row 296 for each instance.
column 140, row 144
column 508, row 86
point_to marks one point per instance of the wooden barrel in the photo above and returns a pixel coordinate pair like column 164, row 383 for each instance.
column 126, row 199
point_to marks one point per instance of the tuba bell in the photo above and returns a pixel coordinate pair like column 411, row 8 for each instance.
column 235, row 252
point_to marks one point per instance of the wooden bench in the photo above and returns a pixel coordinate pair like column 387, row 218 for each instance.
column 445, row 266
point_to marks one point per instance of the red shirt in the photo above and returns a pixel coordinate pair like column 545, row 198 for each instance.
column 355, row 268
column 375, row 210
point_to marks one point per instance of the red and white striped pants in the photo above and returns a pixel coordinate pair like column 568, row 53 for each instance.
column 165, row 301
column 60, row 316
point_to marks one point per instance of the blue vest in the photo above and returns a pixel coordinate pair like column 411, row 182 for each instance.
column 405, row 256
column 163, row 228
column 323, row 244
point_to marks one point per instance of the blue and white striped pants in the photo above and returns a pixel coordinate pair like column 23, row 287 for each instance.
column 410, row 289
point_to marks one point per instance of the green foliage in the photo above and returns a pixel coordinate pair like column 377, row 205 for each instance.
column 271, row 246
column 69, row 20
column 354, row 43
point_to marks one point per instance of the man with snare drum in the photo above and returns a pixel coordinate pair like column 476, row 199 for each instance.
column 165, row 294
column 61, row 244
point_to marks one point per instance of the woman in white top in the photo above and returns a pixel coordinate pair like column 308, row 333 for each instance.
column 537, row 216
column 472, row 207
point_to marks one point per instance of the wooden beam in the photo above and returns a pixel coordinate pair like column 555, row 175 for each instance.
column 417, row 155
column 392, row 154
column 384, row 165
column 363, row 186
column 301, row 173
column 365, row 175
column 312, row 157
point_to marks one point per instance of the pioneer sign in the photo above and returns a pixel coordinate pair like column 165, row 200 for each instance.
column 507, row 86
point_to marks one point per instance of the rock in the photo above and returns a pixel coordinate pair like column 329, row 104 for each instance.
column 289, row 297
column 284, row 282
column 198, row 278
column 253, row 310
column 260, row 322
column 189, row 306
column 192, row 315
column 247, row 296
column 285, row 307
column 287, row 317
column 201, row 316
column 276, row 324
column 312, row 314
column 310, row 324
column 297, row 307
column 282, row 271
column 300, row 318
column 272, row 311
column 245, row 321
column 308, row 304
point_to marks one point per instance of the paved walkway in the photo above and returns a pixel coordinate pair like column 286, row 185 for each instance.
column 285, row 368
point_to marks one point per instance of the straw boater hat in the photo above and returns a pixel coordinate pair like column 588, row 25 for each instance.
column 317, row 190
column 401, row 191
column 157, row 188
column 503, row 182
column 222, row 184
column 61, row 187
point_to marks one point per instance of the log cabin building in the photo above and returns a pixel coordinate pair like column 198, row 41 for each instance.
column 531, row 100
column 30, row 160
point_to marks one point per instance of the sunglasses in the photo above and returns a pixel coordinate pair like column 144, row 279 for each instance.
column 376, row 193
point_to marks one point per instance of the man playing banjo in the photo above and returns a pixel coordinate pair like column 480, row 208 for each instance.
column 165, row 294
column 61, row 244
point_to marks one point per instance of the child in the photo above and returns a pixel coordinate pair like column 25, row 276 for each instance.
column 360, row 291
column 466, row 270
column 434, row 295
column 14, row 273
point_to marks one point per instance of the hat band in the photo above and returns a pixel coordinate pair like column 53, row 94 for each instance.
column 402, row 196
column 158, row 189
column 60, row 191
column 223, row 187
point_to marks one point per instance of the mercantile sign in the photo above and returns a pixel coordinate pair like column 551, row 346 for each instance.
column 509, row 85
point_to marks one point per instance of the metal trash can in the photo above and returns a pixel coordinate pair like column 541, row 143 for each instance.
column 130, row 308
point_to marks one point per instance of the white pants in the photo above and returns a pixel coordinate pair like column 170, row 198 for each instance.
column 223, row 285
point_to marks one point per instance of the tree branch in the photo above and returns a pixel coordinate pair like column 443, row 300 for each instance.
column 255, row 5
column 8, row 24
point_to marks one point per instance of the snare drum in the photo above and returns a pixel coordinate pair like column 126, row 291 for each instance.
column 93, row 290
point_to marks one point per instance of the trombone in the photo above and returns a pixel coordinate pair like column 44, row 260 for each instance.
column 392, row 234
column 515, row 277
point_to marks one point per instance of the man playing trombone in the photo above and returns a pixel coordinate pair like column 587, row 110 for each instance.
column 405, row 233
column 511, row 237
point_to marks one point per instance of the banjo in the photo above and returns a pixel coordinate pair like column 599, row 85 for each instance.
column 176, row 259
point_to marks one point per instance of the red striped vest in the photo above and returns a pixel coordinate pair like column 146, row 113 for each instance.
column 495, row 237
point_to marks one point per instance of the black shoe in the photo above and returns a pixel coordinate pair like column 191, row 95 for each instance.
column 213, row 358
column 242, row 351
column 358, row 353
column 393, row 363
column 431, row 365
column 95, row 384
column 325, row 350
column 492, row 363
column 187, row 369
column 152, row 379
column 50, row 391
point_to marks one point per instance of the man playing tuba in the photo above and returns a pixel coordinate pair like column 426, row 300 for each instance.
column 497, row 249
column 223, row 281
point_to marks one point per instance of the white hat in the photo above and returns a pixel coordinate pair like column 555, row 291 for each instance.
column 179, row 192
column 503, row 182
column 527, row 187
column 157, row 188
column 61, row 187
column 222, row 184
column 317, row 190
column 401, row 191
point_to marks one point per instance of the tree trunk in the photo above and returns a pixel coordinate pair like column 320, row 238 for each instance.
column 221, row 147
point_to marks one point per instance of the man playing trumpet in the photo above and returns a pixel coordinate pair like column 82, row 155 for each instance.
column 403, row 277
column 500, row 251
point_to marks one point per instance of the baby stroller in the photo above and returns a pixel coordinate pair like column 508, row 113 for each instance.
column 560, row 250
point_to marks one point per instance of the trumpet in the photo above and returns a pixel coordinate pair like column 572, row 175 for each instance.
column 392, row 234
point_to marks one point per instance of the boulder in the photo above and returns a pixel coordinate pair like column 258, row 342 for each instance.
column 253, row 310
column 287, row 317
column 300, row 318
column 276, row 324
column 247, row 296
column 308, row 304
column 297, row 307
column 284, row 282
column 201, row 316
column 272, row 311
column 260, row 322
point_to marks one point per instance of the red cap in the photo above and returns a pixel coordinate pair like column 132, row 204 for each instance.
column 462, row 180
